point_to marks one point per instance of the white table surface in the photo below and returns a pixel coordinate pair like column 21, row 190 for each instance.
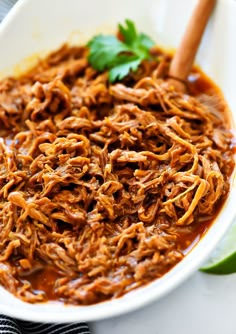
column 204, row 304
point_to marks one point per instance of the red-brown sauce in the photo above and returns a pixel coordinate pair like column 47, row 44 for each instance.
column 44, row 279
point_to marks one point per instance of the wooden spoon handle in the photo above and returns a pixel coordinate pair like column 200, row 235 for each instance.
column 183, row 59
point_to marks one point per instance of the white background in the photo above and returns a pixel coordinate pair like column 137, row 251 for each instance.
column 204, row 304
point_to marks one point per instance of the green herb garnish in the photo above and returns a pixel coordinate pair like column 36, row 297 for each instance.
column 107, row 52
column 223, row 259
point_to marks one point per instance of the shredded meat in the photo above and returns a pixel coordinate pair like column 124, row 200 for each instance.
column 100, row 182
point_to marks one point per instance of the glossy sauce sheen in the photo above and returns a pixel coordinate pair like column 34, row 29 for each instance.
column 44, row 279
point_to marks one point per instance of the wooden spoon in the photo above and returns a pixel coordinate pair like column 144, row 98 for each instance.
column 183, row 59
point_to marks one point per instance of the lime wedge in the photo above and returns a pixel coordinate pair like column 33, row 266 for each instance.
column 223, row 259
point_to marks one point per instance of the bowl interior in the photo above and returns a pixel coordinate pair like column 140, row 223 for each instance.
column 34, row 27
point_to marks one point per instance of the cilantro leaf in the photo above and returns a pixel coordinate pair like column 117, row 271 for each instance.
column 139, row 43
column 145, row 41
column 128, row 32
column 104, row 51
column 107, row 52
column 120, row 71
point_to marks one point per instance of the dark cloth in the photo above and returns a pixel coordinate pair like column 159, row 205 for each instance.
column 13, row 326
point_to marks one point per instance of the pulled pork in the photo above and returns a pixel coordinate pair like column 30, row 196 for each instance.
column 102, row 183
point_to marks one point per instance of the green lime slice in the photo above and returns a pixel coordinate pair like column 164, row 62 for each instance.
column 223, row 259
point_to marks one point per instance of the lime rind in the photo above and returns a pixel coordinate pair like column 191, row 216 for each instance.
column 223, row 259
column 224, row 267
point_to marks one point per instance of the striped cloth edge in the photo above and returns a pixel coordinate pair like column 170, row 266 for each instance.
column 13, row 326
column 5, row 6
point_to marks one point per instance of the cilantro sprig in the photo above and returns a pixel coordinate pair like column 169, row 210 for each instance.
column 107, row 52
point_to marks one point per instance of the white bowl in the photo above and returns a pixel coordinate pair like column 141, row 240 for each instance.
column 37, row 26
